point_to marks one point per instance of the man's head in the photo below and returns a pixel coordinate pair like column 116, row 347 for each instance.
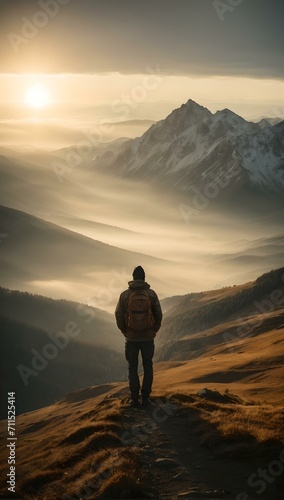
column 138, row 273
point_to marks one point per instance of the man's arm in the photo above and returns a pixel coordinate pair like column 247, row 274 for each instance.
column 157, row 312
column 120, row 314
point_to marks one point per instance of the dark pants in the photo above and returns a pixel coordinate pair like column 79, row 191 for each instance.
column 131, row 353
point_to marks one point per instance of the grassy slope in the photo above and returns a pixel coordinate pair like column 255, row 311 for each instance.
column 80, row 443
column 41, row 372
column 92, row 355
column 251, row 366
column 196, row 313
column 77, row 442
column 227, row 339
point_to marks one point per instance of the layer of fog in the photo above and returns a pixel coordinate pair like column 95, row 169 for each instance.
column 206, row 249
column 58, row 126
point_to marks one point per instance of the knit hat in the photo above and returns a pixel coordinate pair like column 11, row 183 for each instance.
column 138, row 273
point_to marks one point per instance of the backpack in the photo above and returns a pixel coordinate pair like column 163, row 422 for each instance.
column 139, row 317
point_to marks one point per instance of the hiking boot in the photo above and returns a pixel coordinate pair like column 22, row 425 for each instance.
column 134, row 403
column 146, row 401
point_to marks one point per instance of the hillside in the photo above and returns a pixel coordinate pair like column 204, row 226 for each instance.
column 42, row 366
column 51, row 347
column 98, row 326
column 215, row 420
column 229, row 339
column 91, row 445
column 188, row 318
column 52, row 251
column 202, row 327
column 61, row 262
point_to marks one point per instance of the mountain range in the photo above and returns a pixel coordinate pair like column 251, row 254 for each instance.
column 192, row 149
column 192, row 199
column 198, row 201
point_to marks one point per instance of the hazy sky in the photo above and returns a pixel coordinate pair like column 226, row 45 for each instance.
column 183, row 36
column 126, row 59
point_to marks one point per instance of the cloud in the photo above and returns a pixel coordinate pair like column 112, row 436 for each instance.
column 186, row 37
column 55, row 134
column 34, row 132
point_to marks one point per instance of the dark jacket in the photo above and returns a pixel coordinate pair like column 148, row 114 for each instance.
column 121, row 309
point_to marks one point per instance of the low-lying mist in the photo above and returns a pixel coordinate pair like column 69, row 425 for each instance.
column 183, row 247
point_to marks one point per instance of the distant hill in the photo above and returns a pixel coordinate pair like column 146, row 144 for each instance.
column 189, row 318
column 50, row 251
column 98, row 327
column 41, row 256
column 52, row 347
column 42, row 366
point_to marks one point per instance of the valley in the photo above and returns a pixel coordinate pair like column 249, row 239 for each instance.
column 195, row 205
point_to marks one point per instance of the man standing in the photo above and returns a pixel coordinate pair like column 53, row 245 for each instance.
column 139, row 316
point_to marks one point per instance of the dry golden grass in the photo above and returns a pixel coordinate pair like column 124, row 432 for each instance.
column 120, row 473
column 250, row 364
column 234, row 429
column 79, row 454
column 251, row 367
column 73, row 447
column 74, row 453
column 83, row 432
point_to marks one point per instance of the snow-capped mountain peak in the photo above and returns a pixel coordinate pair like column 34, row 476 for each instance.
column 192, row 145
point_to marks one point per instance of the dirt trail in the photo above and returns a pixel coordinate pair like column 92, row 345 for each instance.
column 176, row 466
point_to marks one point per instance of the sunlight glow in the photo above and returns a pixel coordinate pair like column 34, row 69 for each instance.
column 37, row 96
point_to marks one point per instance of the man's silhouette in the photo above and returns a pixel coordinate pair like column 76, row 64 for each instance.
column 139, row 304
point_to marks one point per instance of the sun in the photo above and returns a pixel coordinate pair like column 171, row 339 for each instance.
column 37, row 96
